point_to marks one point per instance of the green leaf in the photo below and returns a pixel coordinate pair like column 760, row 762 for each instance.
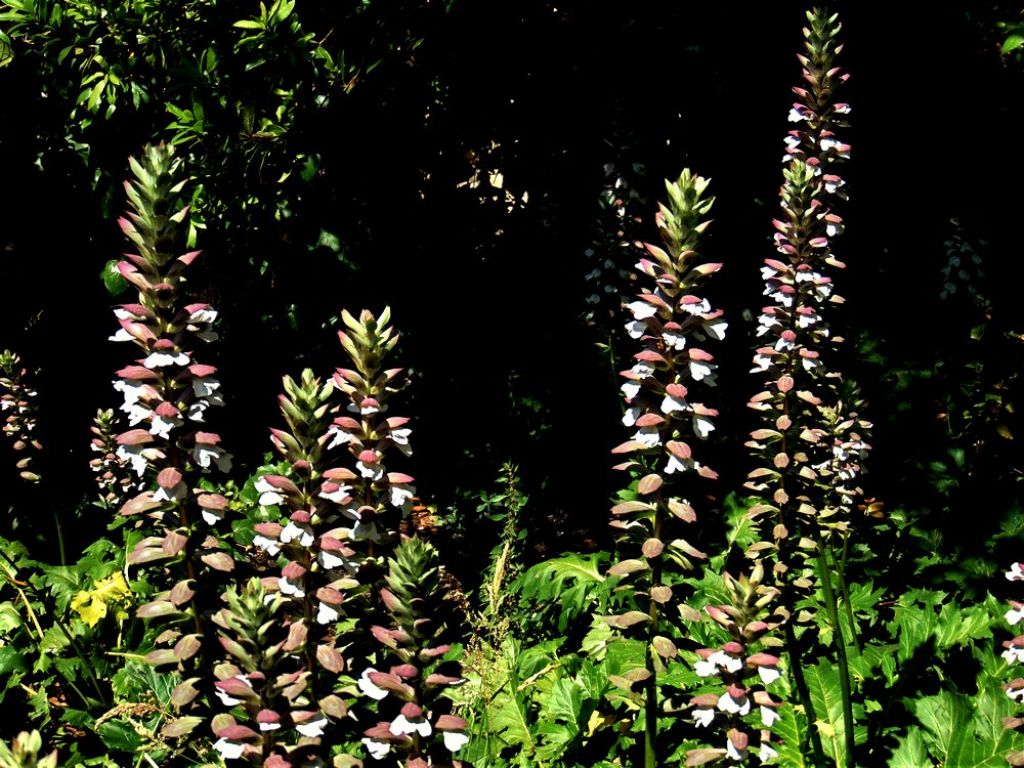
column 119, row 736
column 827, row 699
column 112, row 280
column 1012, row 43
column 911, row 752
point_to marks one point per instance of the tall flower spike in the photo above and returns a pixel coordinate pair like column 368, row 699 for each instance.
column 808, row 450
column 373, row 500
column 411, row 694
column 17, row 405
column 800, row 403
column 1013, row 653
column 113, row 478
column 167, row 393
column 739, row 711
column 316, row 577
column 671, row 323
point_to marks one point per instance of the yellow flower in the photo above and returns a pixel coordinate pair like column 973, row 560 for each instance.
column 92, row 604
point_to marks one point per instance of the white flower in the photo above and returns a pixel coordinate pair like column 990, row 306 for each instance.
column 229, row 750
column 329, row 560
column 796, row 115
column 630, row 416
column 400, row 437
column 643, row 369
column 785, row 299
column 1017, row 694
column 734, row 754
column 701, row 370
column 766, row 323
column 630, row 389
column 327, row 613
column 132, row 454
column 205, row 387
column 702, row 426
column 206, row 454
column 267, row 545
column 402, row 724
column 269, row 495
column 724, row 660
column 766, row 753
column 378, row 749
column 705, row 668
column 312, row 728
column 739, row 706
column 636, row 328
column 768, row 716
column 338, row 495
column 783, row 344
column 368, row 688
column 701, row 307
column 137, row 413
column 806, row 321
column 672, row 404
column 703, row 717
column 834, row 186
column 1014, row 615
column 370, row 469
column 341, row 437
column 162, row 427
column 121, row 335
column 269, row 726
column 677, row 465
column 648, row 436
column 164, row 359
column 761, row 363
column 454, row 740
column 768, row 674
column 716, row 329
column 642, row 310
column 301, row 533
column 674, row 340
column 1016, row 572
column 1013, row 655
column 289, row 587
column 203, row 316
column 400, row 494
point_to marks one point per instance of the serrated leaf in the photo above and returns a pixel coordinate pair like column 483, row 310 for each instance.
column 827, row 699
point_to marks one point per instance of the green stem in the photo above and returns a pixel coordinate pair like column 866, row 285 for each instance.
column 796, row 667
column 651, row 684
column 840, row 570
column 825, row 578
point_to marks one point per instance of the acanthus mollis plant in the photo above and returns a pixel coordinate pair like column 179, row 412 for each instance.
column 114, row 479
column 740, row 709
column 410, row 685
column 294, row 701
column 266, row 687
column 17, row 404
column 670, row 320
column 167, row 392
column 1013, row 653
column 808, row 447
column 371, row 500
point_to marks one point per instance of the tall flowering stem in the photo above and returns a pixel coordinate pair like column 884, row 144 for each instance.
column 419, row 728
column 1013, row 653
column 18, row 408
column 307, row 595
column 809, row 450
column 167, row 394
column 741, row 710
column 671, row 322
column 371, row 500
